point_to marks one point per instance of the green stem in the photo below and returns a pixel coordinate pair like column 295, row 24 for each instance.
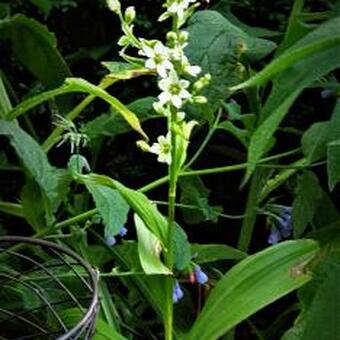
column 57, row 132
column 248, row 224
column 205, row 142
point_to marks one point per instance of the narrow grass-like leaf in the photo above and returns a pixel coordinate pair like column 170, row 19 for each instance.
column 252, row 284
column 83, row 86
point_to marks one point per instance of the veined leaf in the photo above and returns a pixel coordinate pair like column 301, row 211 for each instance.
column 252, row 284
column 32, row 157
column 214, row 44
column 308, row 195
column 35, row 47
column 181, row 247
column 111, row 206
column 149, row 249
column 147, row 211
column 83, row 86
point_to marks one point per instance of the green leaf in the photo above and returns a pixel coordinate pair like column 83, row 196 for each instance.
column 147, row 211
column 181, row 247
column 72, row 316
column 124, row 71
column 333, row 163
column 111, row 206
column 205, row 253
column 195, row 193
column 314, row 141
column 305, row 62
column 5, row 103
column 35, row 47
column 33, row 205
column 33, row 158
column 308, row 195
column 149, row 249
column 321, row 321
column 213, row 44
column 252, row 284
column 45, row 6
column 112, row 124
column 83, row 86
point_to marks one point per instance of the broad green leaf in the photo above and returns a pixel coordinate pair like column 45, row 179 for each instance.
column 213, row 44
column 33, row 205
column 205, row 253
column 195, row 193
column 181, row 247
column 308, row 195
column 314, row 141
column 252, row 284
column 138, row 202
column 223, row 7
column 35, row 47
column 149, row 249
column 112, row 124
column 321, row 321
column 333, row 163
column 305, row 62
column 33, row 158
column 241, row 134
column 111, row 206
column 83, row 86
column 123, row 71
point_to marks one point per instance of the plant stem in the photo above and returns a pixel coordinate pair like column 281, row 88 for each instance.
column 205, row 142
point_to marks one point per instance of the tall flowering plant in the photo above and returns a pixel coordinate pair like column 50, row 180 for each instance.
column 180, row 83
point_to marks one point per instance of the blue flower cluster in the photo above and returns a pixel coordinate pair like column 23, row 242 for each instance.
column 111, row 240
column 283, row 226
column 177, row 293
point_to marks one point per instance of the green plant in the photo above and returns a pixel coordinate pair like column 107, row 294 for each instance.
column 207, row 62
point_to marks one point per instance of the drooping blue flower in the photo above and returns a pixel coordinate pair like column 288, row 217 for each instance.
column 177, row 293
column 327, row 93
column 110, row 241
column 283, row 226
column 201, row 276
column 274, row 236
column 123, row 232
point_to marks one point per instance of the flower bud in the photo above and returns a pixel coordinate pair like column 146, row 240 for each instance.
column 123, row 231
column 114, row 5
column 183, row 37
column 123, row 41
column 144, row 146
column 171, row 37
column 130, row 15
column 200, row 100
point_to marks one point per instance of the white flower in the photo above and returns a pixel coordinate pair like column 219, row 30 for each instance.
column 179, row 7
column 174, row 90
column 158, row 58
column 162, row 149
